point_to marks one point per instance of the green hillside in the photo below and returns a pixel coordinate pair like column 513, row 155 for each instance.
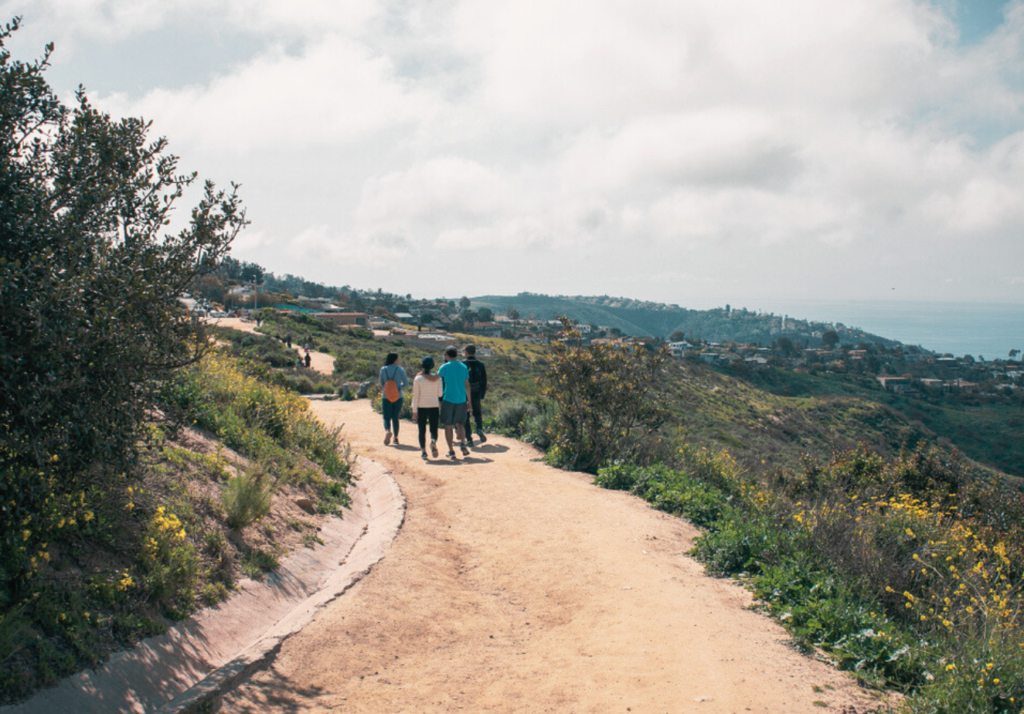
column 649, row 319
column 775, row 416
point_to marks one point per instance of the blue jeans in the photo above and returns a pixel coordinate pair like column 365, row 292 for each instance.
column 391, row 412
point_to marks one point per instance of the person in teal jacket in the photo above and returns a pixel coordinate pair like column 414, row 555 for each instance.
column 455, row 407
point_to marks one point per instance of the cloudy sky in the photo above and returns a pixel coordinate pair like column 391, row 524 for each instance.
column 696, row 152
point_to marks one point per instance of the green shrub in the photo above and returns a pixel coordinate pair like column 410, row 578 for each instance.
column 742, row 543
column 698, row 502
column 618, row 476
column 247, row 497
column 13, row 632
column 606, row 407
column 715, row 468
column 650, row 481
column 820, row 610
column 257, row 562
column 510, row 416
column 522, row 419
column 169, row 563
column 987, row 677
column 215, row 592
column 89, row 282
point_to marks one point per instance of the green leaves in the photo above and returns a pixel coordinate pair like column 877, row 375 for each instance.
column 603, row 394
column 89, row 286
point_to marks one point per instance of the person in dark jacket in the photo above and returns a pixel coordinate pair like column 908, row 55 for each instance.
column 478, row 389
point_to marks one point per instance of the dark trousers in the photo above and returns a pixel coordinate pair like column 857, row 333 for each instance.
column 431, row 415
column 476, row 415
column 391, row 411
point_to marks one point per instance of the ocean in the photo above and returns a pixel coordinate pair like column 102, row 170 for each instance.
column 988, row 330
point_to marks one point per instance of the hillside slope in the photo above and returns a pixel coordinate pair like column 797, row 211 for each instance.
column 648, row 319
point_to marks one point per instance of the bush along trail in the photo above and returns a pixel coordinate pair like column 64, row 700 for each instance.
column 203, row 508
column 903, row 571
column 514, row 586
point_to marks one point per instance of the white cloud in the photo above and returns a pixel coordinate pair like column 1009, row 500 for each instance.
column 333, row 93
column 111, row 20
column 749, row 138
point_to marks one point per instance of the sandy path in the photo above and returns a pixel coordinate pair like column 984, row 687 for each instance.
column 318, row 361
column 516, row 587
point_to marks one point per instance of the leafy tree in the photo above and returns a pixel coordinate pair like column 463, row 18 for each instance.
column 830, row 339
column 484, row 314
column 677, row 336
column 512, row 314
column 603, row 395
column 464, row 302
column 251, row 273
column 89, row 283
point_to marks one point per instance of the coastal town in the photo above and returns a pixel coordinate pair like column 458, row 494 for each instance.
column 796, row 345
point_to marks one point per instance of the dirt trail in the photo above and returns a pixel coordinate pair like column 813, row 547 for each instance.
column 318, row 361
column 516, row 587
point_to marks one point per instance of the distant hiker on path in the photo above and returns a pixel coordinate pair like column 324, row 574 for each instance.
column 477, row 389
column 454, row 403
column 309, row 359
column 392, row 381
column 427, row 390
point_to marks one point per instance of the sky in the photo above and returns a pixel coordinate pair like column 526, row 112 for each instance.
column 695, row 153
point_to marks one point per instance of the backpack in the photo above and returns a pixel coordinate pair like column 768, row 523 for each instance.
column 475, row 381
column 391, row 392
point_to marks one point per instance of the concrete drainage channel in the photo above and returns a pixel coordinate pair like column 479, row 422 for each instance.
column 205, row 656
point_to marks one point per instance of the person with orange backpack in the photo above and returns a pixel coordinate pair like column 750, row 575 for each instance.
column 393, row 381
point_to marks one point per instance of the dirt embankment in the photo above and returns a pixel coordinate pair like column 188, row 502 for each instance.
column 516, row 587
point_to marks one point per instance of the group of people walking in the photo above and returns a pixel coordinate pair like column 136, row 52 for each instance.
column 451, row 398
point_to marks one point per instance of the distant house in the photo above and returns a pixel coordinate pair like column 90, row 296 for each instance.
column 961, row 385
column 897, row 385
column 488, row 329
column 713, row 357
column 679, row 348
column 318, row 304
column 345, row 319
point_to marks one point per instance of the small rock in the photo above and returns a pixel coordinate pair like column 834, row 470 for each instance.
column 306, row 505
